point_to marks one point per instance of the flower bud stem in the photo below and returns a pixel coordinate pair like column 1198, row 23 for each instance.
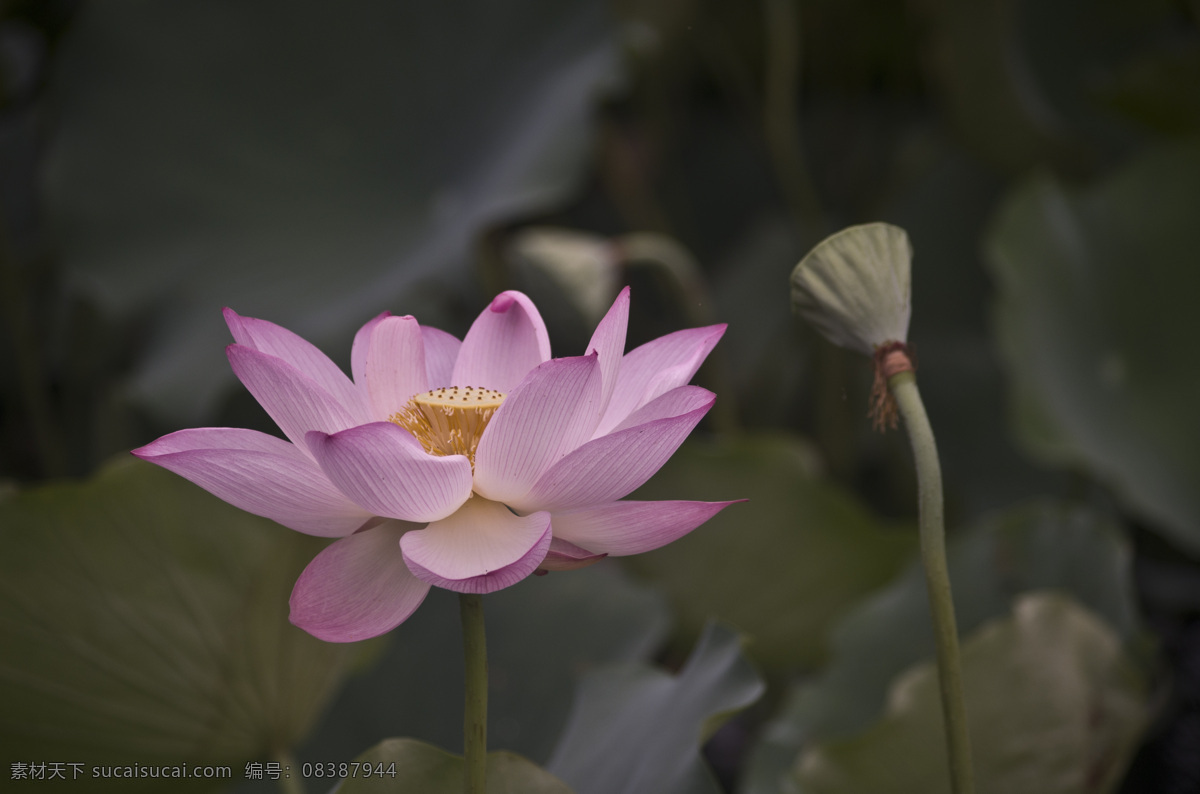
column 903, row 386
column 291, row 781
column 475, row 692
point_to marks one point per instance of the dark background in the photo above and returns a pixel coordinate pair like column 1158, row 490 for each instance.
column 314, row 163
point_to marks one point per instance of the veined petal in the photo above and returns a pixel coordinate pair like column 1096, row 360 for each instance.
column 657, row 367
column 677, row 401
column 610, row 467
column 441, row 351
column 566, row 556
column 357, row 588
column 551, row 413
column 395, row 365
column 358, row 351
column 623, row 528
column 295, row 401
column 275, row 340
column 483, row 547
column 385, row 470
column 506, row 341
column 608, row 341
column 260, row 474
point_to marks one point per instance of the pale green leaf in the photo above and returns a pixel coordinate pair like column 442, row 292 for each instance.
column 1053, row 704
column 143, row 621
column 1094, row 314
column 799, row 541
column 1040, row 546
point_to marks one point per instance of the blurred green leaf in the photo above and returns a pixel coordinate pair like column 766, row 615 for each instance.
column 303, row 162
column 1019, row 80
column 543, row 634
column 1054, row 706
column 638, row 730
column 1093, row 315
column 781, row 567
column 1158, row 89
column 143, row 621
column 762, row 353
column 1036, row 547
column 424, row 768
column 980, row 67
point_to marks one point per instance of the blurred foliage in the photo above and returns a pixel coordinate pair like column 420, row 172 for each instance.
column 284, row 164
column 1039, row 547
column 422, row 767
column 143, row 620
column 653, row 723
column 1056, row 707
column 315, row 164
column 1094, row 301
column 799, row 540
column 543, row 634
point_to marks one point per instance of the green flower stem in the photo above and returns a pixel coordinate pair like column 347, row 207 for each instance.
column 781, row 111
column 291, row 781
column 30, row 374
column 475, row 691
column 937, row 577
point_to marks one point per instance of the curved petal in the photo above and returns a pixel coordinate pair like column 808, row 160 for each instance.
column 395, row 365
column 566, row 556
column 506, row 341
column 657, row 367
column 622, row 528
column 551, row 413
column 260, row 474
column 481, row 548
column 608, row 468
column 358, row 587
column 275, row 340
column 385, row 470
column 608, row 341
column 441, row 351
column 677, row 401
column 358, row 351
column 295, row 401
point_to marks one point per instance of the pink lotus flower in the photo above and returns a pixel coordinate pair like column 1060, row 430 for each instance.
column 514, row 462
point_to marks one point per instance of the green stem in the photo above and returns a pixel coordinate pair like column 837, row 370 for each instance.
column 781, row 112
column 290, row 782
column 937, row 578
column 34, row 386
column 475, row 694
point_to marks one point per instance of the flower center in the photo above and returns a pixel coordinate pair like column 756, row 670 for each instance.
column 449, row 421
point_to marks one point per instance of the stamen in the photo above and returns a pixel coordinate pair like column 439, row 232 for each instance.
column 449, row 420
